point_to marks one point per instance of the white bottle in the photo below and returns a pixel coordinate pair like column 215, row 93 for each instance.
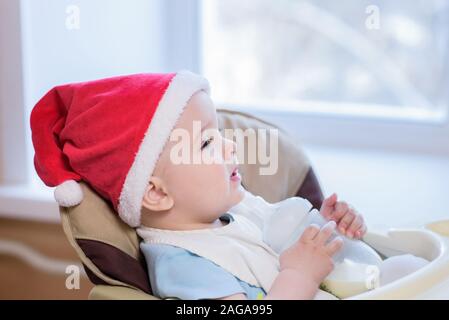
column 356, row 264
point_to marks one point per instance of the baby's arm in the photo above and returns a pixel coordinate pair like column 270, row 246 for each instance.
column 304, row 265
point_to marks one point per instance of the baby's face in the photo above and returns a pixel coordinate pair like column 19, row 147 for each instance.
column 203, row 186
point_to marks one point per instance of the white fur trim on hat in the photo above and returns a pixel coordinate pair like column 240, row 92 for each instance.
column 181, row 88
column 68, row 193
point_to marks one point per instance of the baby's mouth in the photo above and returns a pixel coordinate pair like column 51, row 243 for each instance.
column 235, row 175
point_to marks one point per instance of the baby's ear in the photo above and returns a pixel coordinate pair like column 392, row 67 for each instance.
column 156, row 197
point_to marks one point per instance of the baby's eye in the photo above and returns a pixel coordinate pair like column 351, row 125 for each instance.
column 207, row 142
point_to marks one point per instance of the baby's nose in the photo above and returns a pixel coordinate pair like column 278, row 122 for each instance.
column 230, row 148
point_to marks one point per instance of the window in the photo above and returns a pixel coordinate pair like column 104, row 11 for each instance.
column 272, row 55
column 390, row 59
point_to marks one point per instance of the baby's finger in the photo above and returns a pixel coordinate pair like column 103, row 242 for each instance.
column 328, row 206
column 325, row 233
column 361, row 232
column 341, row 208
column 356, row 224
column 334, row 246
column 346, row 221
column 310, row 233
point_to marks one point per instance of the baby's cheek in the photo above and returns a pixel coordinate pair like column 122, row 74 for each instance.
column 221, row 179
column 209, row 177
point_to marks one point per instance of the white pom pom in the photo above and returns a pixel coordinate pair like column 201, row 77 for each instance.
column 68, row 193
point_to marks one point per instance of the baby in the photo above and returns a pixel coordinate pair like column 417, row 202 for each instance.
column 121, row 135
column 190, row 200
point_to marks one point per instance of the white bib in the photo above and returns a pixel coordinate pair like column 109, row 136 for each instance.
column 249, row 246
column 236, row 247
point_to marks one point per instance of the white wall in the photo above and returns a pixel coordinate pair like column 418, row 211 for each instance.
column 12, row 126
column 114, row 37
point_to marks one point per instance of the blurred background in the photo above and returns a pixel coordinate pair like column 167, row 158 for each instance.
column 362, row 85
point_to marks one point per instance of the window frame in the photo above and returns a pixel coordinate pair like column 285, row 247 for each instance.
column 13, row 125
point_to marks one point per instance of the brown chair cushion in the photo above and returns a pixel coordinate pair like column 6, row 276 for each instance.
column 311, row 190
column 116, row 264
column 109, row 249
column 292, row 167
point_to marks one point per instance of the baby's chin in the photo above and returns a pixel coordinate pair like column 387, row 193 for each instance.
column 237, row 196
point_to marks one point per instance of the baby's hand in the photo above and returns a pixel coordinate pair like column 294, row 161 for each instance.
column 311, row 255
column 349, row 221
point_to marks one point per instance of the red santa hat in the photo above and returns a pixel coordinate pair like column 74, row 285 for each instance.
column 109, row 133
